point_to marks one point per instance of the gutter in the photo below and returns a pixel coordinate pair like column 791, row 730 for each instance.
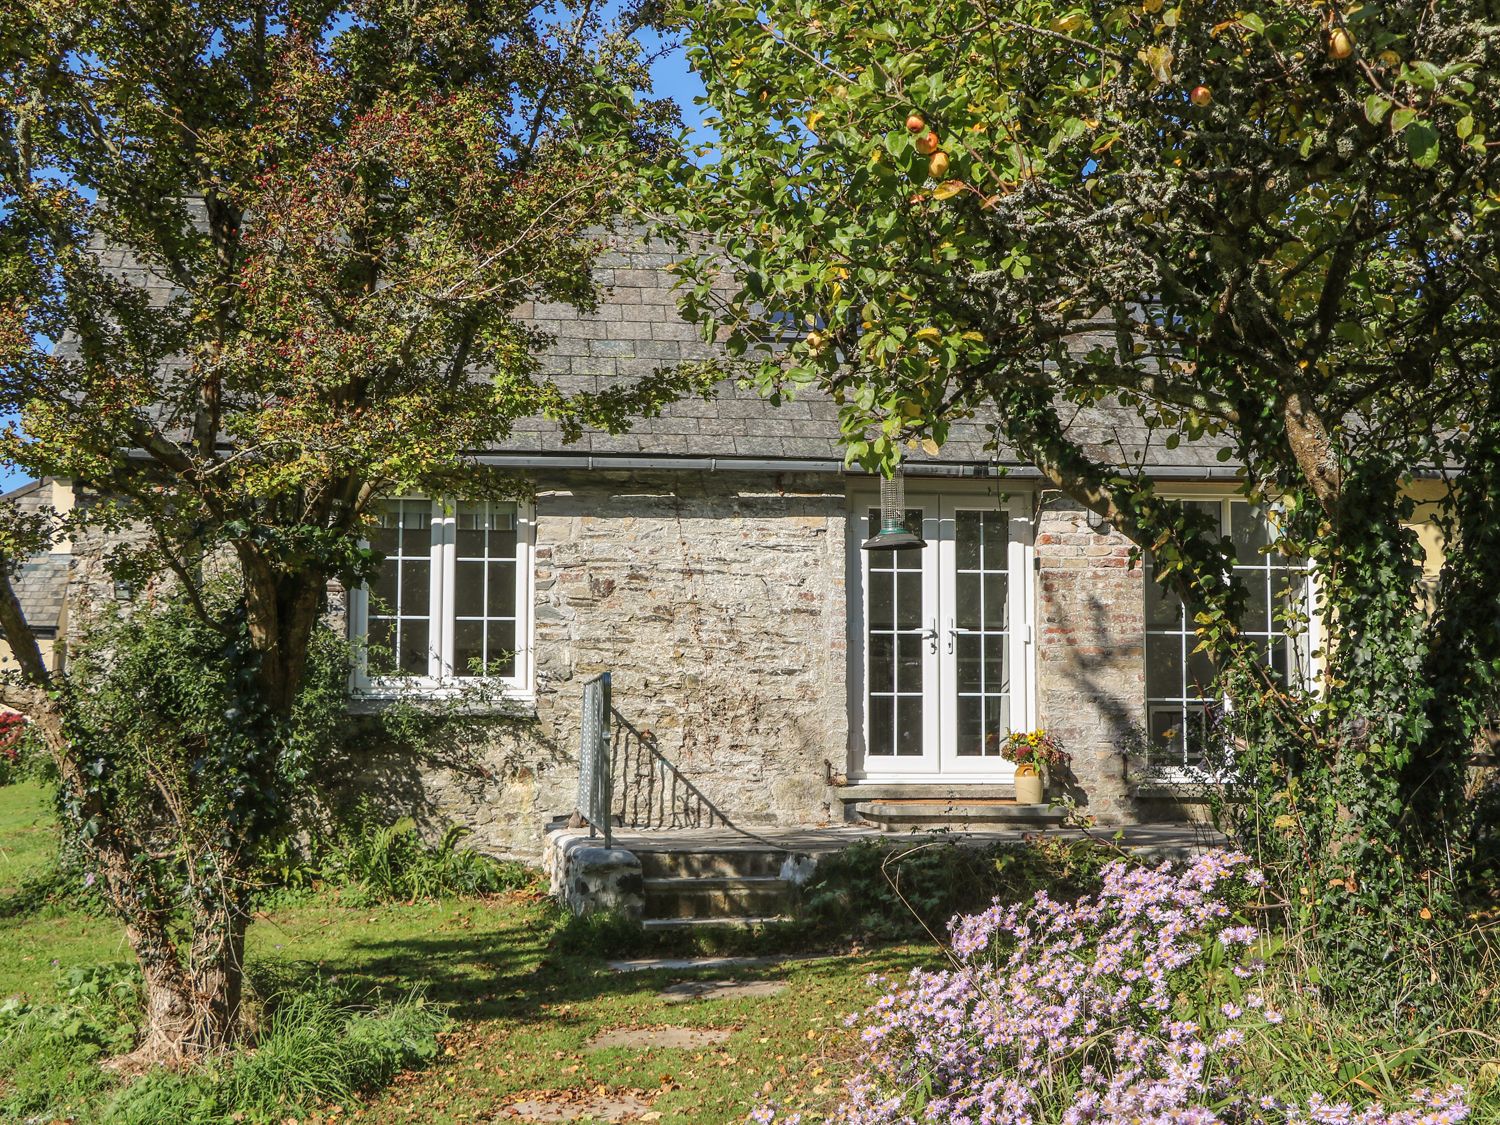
column 590, row 462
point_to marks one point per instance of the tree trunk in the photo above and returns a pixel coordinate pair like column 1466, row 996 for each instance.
column 193, row 1010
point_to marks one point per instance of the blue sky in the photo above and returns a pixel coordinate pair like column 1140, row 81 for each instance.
column 670, row 77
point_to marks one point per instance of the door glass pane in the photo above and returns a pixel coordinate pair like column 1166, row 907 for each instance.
column 981, row 625
column 896, row 647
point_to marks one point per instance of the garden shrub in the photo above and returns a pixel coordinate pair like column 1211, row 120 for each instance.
column 888, row 889
column 1144, row 1003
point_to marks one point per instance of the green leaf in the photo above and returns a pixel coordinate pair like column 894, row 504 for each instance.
column 1422, row 144
column 1402, row 118
column 1376, row 107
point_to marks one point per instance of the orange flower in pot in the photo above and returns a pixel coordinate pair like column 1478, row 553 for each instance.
column 1037, row 755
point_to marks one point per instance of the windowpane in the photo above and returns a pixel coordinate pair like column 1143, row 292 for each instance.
column 908, row 599
column 969, row 652
column 1162, row 606
column 996, row 723
column 970, row 726
column 909, row 662
column 1257, row 616
column 881, row 733
column 882, row 663
column 967, row 606
column 996, row 670
column 966, row 533
column 468, row 588
column 1200, row 673
column 882, row 598
column 414, row 651
column 896, row 647
column 501, row 582
column 909, row 725
column 996, row 601
column 397, row 624
column 1164, row 666
column 484, row 632
column 382, row 644
column 468, row 648
column 415, row 588
column 1250, row 532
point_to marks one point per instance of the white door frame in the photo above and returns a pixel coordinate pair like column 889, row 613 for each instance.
column 939, row 762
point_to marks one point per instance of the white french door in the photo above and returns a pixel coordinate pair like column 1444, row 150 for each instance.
column 944, row 639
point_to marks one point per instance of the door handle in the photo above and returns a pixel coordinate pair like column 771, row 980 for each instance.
column 952, row 636
column 931, row 636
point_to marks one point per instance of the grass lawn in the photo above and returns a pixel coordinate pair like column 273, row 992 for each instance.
column 522, row 1011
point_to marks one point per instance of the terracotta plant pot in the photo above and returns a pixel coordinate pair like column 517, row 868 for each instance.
column 1029, row 787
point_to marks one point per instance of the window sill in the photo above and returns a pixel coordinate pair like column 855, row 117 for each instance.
column 504, row 703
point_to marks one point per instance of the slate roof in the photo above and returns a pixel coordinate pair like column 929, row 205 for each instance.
column 41, row 584
column 637, row 329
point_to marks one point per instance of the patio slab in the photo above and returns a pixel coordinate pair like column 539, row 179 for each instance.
column 1165, row 841
column 671, row 1038
column 688, row 990
column 574, row 1106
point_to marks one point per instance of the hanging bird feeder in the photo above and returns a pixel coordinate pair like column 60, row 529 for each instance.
column 893, row 535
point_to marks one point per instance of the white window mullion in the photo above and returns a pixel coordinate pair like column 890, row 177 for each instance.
column 441, row 595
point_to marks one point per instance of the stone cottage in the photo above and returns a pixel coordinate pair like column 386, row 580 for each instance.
column 711, row 561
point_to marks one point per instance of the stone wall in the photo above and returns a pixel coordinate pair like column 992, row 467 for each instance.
column 1090, row 633
column 717, row 602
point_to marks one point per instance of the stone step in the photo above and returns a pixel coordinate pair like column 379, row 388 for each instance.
column 715, row 897
column 709, row 863
column 741, row 922
column 935, row 813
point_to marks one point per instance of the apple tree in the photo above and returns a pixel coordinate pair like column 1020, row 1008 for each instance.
column 1280, row 217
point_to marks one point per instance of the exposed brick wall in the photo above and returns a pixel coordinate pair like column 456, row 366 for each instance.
column 1090, row 650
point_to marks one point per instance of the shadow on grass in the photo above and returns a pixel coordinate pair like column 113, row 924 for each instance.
column 518, row 974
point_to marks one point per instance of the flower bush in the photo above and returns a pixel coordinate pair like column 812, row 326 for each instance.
column 1135, row 1006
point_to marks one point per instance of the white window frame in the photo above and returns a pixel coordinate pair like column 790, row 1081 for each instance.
column 1311, row 642
column 440, row 680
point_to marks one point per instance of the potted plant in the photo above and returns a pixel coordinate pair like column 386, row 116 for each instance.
column 1036, row 755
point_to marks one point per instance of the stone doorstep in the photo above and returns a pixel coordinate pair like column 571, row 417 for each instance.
column 960, row 791
column 1003, row 811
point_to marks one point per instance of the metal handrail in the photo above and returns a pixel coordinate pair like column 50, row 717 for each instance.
column 653, row 792
column 595, row 775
